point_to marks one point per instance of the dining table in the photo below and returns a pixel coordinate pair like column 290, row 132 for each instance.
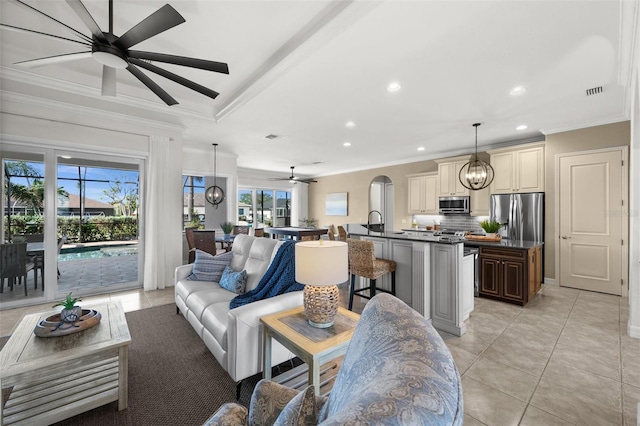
column 296, row 232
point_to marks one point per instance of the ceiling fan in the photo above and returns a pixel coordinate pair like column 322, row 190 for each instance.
column 293, row 179
column 114, row 52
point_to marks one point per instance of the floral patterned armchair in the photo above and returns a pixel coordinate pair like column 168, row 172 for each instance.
column 397, row 370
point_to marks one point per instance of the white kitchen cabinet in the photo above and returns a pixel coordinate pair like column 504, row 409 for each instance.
column 468, row 273
column 518, row 170
column 448, row 171
column 479, row 202
column 423, row 193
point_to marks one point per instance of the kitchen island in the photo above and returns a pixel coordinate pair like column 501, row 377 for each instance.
column 510, row 270
column 433, row 276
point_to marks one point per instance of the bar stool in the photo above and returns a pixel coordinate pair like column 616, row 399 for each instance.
column 363, row 262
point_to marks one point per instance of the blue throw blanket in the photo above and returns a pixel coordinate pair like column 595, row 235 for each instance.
column 280, row 278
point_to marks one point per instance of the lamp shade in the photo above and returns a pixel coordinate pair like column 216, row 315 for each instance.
column 322, row 263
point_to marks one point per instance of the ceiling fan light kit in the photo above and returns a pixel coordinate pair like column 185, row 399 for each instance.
column 476, row 174
column 113, row 52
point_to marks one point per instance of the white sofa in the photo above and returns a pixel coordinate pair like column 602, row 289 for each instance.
column 233, row 335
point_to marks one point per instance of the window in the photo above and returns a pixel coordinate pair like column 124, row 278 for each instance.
column 258, row 205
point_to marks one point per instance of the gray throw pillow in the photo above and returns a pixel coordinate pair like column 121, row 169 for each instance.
column 207, row 267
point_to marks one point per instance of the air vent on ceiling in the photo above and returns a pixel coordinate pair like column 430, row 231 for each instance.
column 594, row 90
column 271, row 136
column 317, row 162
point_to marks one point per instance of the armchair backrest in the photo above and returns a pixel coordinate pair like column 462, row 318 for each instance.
column 394, row 359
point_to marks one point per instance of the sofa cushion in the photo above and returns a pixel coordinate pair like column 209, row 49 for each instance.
column 300, row 411
column 258, row 260
column 200, row 300
column 234, row 281
column 214, row 319
column 208, row 267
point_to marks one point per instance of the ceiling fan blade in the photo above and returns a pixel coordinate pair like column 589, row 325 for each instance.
column 152, row 85
column 72, row 30
column 50, row 60
column 108, row 81
column 28, row 31
column 174, row 77
column 85, row 16
column 202, row 64
column 161, row 20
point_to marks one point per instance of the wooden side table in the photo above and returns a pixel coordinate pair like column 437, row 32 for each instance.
column 314, row 346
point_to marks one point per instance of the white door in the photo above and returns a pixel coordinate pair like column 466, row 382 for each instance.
column 590, row 202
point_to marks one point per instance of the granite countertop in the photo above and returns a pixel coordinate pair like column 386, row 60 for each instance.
column 516, row 244
column 402, row 236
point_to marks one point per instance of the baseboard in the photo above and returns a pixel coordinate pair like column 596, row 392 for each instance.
column 634, row 331
column 549, row 280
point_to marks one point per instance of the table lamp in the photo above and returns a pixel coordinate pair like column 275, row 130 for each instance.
column 320, row 265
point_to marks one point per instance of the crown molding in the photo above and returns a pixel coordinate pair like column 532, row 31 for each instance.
column 79, row 111
column 32, row 79
column 604, row 121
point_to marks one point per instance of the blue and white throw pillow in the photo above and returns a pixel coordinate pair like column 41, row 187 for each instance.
column 233, row 281
column 207, row 267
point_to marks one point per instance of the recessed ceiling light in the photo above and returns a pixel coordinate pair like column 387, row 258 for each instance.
column 393, row 87
column 518, row 90
column 346, row 144
column 522, row 127
column 350, row 124
column 421, row 148
column 66, row 157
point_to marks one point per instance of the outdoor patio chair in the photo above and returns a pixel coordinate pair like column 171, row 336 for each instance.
column 14, row 264
column 36, row 257
column 240, row 229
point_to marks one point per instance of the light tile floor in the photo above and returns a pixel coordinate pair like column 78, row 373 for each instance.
column 563, row 359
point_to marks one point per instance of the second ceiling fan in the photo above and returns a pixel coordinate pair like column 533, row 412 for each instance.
column 114, row 52
column 294, row 179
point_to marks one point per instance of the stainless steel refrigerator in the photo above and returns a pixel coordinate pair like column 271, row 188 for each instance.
column 521, row 214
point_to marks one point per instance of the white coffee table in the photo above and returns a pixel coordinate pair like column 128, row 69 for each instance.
column 55, row 378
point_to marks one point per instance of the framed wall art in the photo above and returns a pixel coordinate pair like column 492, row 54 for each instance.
column 337, row 204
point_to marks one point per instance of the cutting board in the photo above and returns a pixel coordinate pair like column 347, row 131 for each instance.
column 497, row 238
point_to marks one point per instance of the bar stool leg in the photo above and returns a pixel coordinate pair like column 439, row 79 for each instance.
column 353, row 283
column 393, row 283
column 372, row 288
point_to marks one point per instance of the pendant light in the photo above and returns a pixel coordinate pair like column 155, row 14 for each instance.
column 476, row 174
column 214, row 194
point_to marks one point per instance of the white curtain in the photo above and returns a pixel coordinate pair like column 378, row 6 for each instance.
column 163, row 213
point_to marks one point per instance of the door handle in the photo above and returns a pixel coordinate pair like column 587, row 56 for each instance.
column 564, row 237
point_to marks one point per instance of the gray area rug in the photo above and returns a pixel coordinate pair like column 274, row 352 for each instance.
column 173, row 378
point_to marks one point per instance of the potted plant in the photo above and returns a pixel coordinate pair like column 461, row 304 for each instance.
column 490, row 227
column 227, row 227
column 70, row 312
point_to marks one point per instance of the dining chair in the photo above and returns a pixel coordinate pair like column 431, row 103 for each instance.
column 14, row 265
column 342, row 234
column 205, row 240
column 259, row 232
column 188, row 233
column 331, row 233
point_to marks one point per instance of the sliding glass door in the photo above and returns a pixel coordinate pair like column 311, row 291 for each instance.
column 80, row 217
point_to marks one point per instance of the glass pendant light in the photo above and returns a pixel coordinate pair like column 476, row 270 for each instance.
column 476, row 174
column 214, row 194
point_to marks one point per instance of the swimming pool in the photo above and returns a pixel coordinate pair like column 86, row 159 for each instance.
column 97, row 252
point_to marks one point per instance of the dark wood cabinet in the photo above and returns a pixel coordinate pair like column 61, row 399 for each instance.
column 510, row 274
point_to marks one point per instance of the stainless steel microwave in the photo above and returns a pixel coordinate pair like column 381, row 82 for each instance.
column 454, row 205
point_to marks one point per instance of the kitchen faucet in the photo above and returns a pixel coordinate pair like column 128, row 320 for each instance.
column 369, row 220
